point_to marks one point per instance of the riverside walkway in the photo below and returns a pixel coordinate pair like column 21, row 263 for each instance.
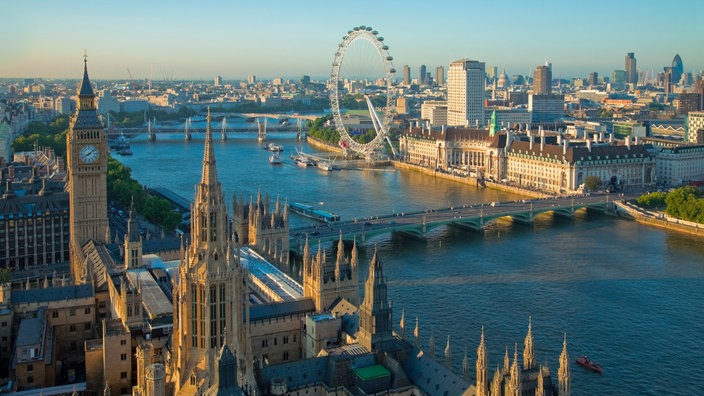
column 474, row 217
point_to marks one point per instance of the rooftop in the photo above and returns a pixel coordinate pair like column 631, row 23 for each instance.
column 154, row 300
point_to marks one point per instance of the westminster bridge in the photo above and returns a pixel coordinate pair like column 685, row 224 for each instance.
column 472, row 217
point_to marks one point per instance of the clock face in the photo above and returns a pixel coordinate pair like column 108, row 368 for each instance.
column 89, row 154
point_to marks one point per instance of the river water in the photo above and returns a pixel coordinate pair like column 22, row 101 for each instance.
column 627, row 295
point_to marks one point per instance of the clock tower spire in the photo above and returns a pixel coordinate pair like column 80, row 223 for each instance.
column 87, row 162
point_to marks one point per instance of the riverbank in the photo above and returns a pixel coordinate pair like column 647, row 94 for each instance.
column 661, row 219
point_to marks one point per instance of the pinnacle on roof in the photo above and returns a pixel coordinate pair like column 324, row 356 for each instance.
column 210, row 176
column 86, row 88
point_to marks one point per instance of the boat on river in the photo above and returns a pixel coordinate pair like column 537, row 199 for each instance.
column 588, row 364
column 275, row 159
column 325, row 165
column 274, row 147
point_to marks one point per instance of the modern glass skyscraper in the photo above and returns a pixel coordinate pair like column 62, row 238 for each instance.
column 631, row 71
column 677, row 69
column 465, row 93
column 422, row 75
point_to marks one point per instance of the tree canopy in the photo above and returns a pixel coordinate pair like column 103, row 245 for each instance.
column 44, row 135
column 592, row 183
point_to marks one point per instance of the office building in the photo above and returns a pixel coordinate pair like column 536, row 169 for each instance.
column 688, row 101
column 440, row 76
column 631, row 70
column 465, row 93
column 593, row 78
column 677, row 69
column 218, row 81
column 406, row 75
column 695, row 127
column 542, row 80
column 422, row 75
column 546, row 108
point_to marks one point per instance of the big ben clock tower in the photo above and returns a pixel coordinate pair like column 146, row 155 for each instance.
column 86, row 155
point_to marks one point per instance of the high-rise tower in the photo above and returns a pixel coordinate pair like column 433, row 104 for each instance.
column 631, row 71
column 208, row 298
column 440, row 76
column 677, row 69
column 465, row 93
column 406, row 75
column 422, row 75
column 375, row 322
column 87, row 162
column 542, row 80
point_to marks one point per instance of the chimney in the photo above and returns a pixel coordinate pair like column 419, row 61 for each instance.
column 596, row 138
column 565, row 143
column 542, row 140
column 601, row 136
column 559, row 139
column 628, row 142
column 611, row 138
column 443, row 128
column 637, row 140
column 589, row 145
column 530, row 140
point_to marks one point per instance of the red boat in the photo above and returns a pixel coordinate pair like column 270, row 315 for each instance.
column 588, row 364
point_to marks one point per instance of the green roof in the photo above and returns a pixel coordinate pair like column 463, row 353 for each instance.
column 372, row 372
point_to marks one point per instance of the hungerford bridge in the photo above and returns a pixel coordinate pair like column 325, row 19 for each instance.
column 473, row 217
column 187, row 129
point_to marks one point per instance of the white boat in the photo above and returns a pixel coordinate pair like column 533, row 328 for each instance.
column 275, row 159
column 302, row 160
column 274, row 147
column 325, row 165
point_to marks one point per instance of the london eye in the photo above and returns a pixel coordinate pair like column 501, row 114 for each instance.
column 370, row 81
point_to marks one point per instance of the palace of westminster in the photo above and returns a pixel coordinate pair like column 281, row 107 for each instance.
column 215, row 324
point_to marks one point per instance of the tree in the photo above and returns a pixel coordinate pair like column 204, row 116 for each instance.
column 592, row 183
column 652, row 199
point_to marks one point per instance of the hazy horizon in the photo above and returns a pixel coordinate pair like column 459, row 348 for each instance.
column 182, row 40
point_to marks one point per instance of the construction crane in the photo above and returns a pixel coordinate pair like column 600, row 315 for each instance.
column 130, row 73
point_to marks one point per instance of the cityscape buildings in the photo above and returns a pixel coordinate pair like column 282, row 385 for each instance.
column 134, row 330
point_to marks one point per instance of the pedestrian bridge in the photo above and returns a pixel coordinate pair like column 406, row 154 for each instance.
column 474, row 217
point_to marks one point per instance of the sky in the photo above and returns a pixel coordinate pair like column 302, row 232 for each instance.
column 198, row 40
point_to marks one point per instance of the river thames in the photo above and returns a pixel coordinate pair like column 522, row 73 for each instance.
column 627, row 295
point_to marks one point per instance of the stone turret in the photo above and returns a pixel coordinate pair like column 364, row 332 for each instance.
column 375, row 314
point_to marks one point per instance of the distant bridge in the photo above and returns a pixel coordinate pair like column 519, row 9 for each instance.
column 474, row 217
column 187, row 129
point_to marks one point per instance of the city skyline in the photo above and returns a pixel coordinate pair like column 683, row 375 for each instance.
column 187, row 40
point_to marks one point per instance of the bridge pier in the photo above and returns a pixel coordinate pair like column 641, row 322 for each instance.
column 223, row 136
column 188, row 136
column 151, row 137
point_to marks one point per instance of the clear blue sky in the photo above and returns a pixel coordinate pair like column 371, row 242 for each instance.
column 286, row 38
